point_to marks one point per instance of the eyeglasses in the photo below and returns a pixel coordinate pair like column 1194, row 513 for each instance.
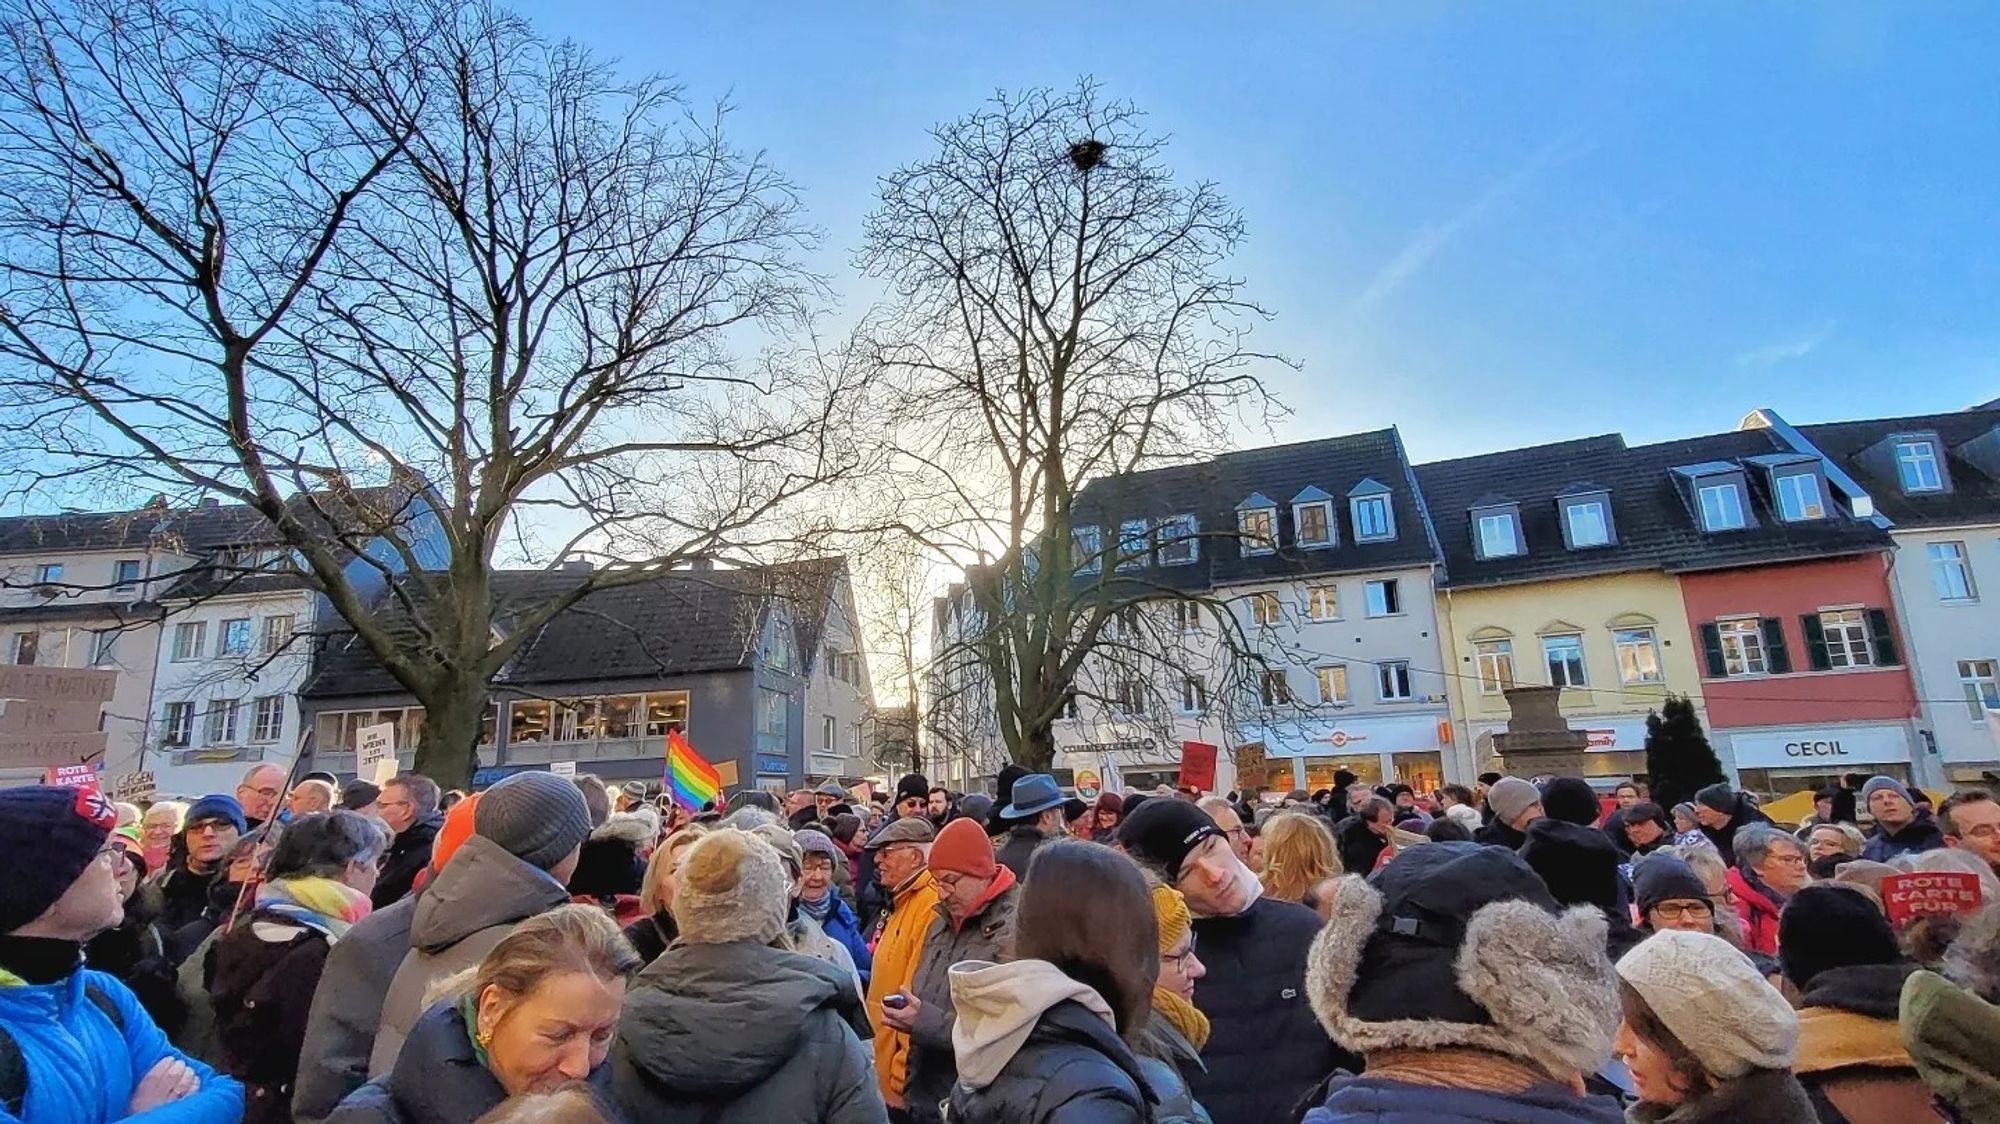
column 1178, row 960
column 947, row 881
column 210, row 827
column 267, row 792
column 1674, row 911
column 1789, row 859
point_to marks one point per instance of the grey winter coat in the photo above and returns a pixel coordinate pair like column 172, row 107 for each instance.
column 986, row 935
column 474, row 902
column 347, row 1009
column 1166, row 1058
column 741, row 1033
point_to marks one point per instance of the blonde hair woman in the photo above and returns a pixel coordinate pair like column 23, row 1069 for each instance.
column 1298, row 855
column 651, row 934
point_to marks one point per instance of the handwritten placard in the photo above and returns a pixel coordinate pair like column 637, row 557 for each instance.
column 1909, row 897
column 375, row 752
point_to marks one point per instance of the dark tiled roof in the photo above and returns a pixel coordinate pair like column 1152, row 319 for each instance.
column 1654, row 524
column 682, row 623
column 190, row 530
column 1974, row 495
column 1211, row 490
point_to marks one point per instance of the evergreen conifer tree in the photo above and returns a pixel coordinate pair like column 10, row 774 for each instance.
column 1678, row 757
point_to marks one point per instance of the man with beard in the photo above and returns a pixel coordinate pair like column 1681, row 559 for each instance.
column 1265, row 1049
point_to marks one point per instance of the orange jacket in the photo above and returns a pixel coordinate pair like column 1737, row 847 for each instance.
column 896, row 957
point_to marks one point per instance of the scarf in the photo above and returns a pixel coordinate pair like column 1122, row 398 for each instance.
column 820, row 910
column 317, row 903
column 1184, row 1016
column 33, row 961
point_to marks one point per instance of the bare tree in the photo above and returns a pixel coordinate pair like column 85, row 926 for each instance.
column 1058, row 310
column 417, row 285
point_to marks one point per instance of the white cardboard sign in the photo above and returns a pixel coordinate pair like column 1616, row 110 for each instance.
column 375, row 752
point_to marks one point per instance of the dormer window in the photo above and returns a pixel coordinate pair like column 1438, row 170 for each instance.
column 1721, row 504
column 1085, row 548
column 1799, row 497
column 1134, row 544
column 1312, row 518
column 1178, row 546
column 1917, row 465
column 1374, row 517
column 1496, row 529
column 1257, row 524
column 1586, row 517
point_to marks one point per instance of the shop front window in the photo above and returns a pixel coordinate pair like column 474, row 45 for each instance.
column 1320, row 770
column 666, row 710
column 1423, row 771
column 1781, row 782
column 529, row 723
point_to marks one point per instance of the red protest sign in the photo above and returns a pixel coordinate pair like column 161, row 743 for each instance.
column 1911, row 896
column 73, row 776
column 1198, row 766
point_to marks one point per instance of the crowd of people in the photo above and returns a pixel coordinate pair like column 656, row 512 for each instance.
column 561, row 949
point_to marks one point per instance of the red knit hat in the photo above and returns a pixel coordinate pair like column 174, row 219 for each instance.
column 456, row 830
column 963, row 848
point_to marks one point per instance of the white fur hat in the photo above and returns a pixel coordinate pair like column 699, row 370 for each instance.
column 1466, row 935
column 731, row 887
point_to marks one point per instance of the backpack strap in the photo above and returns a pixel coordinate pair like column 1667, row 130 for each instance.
column 14, row 1066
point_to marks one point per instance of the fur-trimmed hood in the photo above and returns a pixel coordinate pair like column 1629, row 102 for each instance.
column 1542, row 978
column 640, row 828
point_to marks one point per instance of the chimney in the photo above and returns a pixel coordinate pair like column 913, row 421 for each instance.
column 576, row 566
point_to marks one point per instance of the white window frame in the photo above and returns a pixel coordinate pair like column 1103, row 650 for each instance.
column 1387, row 673
column 190, row 637
column 177, row 724
column 1980, row 679
column 1323, row 602
column 1603, row 527
column 1373, row 505
column 1794, row 504
column 1194, row 695
column 1329, row 532
column 270, row 644
column 223, row 646
column 828, row 734
column 1135, row 544
column 1851, row 648
column 1086, row 549
column 1178, row 533
column 1947, row 558
column 1332, row 684
column 1267, row 610
column 28, row 641
column 126, row 586
column 219, row 721
column 1715, row 519
column 1564, row 639
column 1497, row 521
column 48, row 573
column 1919, row 457
column 1187, row 617
column 1743, row 646
column 268, row 719
column 1636, row 646
column 103, row 647
column 1494, row 661
column 1274, row 688
column 1253, row 540
column 1130, row 701
column 1390, row 589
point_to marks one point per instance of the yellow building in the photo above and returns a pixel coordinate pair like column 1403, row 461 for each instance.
column 1553, row 576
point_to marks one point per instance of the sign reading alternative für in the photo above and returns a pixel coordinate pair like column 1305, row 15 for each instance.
column 52, row 715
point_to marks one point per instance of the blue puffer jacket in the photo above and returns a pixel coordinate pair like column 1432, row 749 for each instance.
column 841, row 925
column 82, row 1069
column 1365, row 1100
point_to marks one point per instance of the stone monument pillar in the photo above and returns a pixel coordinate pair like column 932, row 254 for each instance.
column 1538, row 739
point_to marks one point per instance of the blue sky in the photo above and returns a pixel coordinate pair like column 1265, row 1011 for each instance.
column 1492, row 225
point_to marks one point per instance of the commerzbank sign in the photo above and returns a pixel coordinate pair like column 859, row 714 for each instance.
column 1824, row 748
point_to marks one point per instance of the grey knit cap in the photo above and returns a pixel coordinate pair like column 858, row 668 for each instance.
column 1885, row 784
column 537, row 817
column 1510, row 796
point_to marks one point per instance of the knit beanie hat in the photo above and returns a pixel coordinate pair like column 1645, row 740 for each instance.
column 1718, row 798
column 49, row 835
column 963, row 848
column 786, row 845
column 1832, row 926
column 216, row 807
column 1074, row 809
column 537, row 817
column 1661, row 878
column 912, row 784
column 1171, row 911
column 456, row 830
column 1458, row 944
column 1711, row 997
column 1885, row 784
column 359, row 794
column 1510, row 796
column 813, row 841
column 595, row 797
column 1570, row 799
column 1164, row 833
column 731, row 887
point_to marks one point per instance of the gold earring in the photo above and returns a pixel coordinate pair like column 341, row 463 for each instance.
column 483, row 1038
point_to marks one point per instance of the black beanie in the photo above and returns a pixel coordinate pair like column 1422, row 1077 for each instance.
column 1570, row 799
column 1717, row 797
column 1660, row 878
column 49, row 835
column 1832, row 926
column 1133, row 801
column 1164, row 832
column 912, row 784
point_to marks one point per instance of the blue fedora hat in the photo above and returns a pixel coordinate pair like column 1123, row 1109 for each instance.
column 1033, row 794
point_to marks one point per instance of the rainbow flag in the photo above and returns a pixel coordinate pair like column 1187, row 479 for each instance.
column 689, row 777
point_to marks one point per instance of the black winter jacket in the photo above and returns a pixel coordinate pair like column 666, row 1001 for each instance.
column 1580, row 867
column 438, row 1079
column 265, row 971
column 1724, row 837
column 407, row 857
column 1496, row 833
column 136, row 953
column 1071, row 1070
column 1919, row 835
column 1265, row 1048
column 1019, row 850
column 1359, row 847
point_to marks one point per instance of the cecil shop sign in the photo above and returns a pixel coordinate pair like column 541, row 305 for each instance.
column 1825, row 748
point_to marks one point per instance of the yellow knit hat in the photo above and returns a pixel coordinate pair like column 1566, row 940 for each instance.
column 1171, row 910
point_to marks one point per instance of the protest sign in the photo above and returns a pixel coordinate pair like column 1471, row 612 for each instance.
column 73, row 776
column 375, row 753
column 563, row 769
column 1198, row 766
column 1908, row 897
